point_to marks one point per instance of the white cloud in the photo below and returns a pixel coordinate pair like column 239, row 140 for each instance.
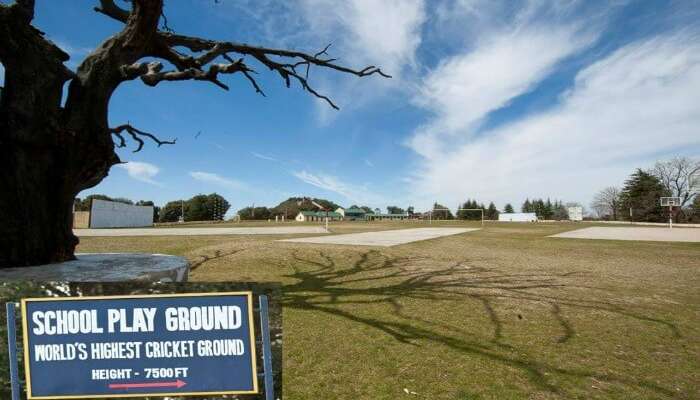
column 218, row 180
column 141, row 171
column 462, row 90
column 383, row 33
column 369, row 163
column 354, row 193
column 263, row 157
column 623, row 111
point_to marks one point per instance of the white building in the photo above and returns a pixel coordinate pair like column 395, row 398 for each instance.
column 306, row 216
column 575, row 213
column 517, row 217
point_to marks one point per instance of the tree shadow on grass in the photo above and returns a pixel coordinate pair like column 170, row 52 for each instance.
column 320, row 285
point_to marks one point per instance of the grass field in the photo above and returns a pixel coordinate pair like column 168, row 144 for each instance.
column 500, row 313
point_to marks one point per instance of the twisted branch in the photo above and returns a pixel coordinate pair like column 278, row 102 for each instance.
column 205, row 52
column 135, row 134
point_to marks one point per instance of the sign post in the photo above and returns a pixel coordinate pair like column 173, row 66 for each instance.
column 133, row 346
column 12, row 349
column 266, row 350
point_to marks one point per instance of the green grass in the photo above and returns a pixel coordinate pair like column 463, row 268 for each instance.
column 501, row 313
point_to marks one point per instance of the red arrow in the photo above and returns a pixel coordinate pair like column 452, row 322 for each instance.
column 177, row 384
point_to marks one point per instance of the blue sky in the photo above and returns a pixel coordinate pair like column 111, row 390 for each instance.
column 493, row 100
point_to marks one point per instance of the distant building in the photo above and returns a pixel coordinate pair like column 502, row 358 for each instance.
column 306, row 216
column 348, row 214
column 381, row 217
column 353, row 214
column 517, row 217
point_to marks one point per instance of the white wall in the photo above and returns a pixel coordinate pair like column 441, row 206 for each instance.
column 575, row 213
column 517, row 217
column 110, row 214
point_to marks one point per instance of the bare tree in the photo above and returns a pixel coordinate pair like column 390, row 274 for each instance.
column 606, row 202
column 675, row 174
column 49, row 153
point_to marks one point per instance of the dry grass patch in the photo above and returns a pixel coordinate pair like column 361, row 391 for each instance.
column 501, row 313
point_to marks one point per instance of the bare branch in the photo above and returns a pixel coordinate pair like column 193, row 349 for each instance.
column 166, row 27
column 122, row 142
column 205, row 52
column 151, row 74
column 262, row 53
column 136, row 135
column 112, row 10
column 288, row 71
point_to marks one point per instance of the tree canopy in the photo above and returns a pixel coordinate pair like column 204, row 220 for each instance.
column 641, row 193
column 211, row 207
column 395, row 210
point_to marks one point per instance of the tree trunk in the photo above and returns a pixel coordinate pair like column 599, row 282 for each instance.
column 46, row 157
column 35, row 208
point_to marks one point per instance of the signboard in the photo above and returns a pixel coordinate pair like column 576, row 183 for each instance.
column 670, row 201
column 113, row 214
column 575, row 213
column 132, row 346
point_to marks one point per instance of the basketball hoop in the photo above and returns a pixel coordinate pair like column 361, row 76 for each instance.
column 670, row 202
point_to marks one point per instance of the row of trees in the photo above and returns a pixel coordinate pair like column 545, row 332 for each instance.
column 639, row 198
column 395, row 210
column 469, row 211
column 546, row 209
column 202, row 207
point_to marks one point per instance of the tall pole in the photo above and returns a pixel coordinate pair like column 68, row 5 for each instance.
column 670, row 217
column 12, row 350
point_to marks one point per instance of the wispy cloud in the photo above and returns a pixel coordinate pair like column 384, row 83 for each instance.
column 638, row 103
column 264, row 157
column 218, row 146
column 218, row 180
column 354, row 193
column 384, row 33
column 463, row 89
column 369, row 163
column 141, row 171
